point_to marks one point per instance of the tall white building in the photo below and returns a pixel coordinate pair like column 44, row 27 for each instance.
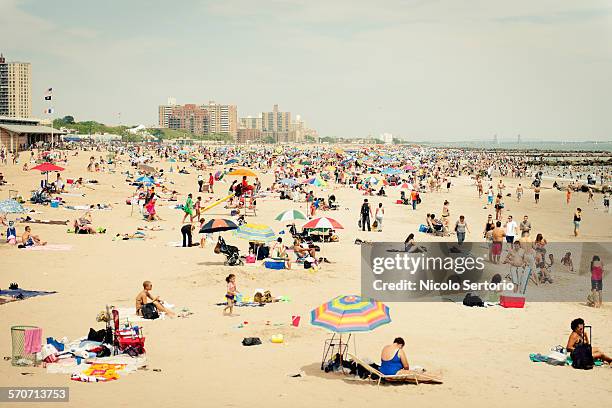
column 15, row 89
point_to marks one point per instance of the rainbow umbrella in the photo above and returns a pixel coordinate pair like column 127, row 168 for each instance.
column 255, row 233
column 348, row 314
column 316, row 181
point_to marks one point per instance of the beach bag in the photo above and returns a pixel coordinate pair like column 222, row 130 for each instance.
column 96, row 335
column 423, row 228
column 472, row 300
column 251, row 341
column 149, row 311
column 556, row 358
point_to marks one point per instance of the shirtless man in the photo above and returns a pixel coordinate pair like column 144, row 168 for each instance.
column 30, row 240
column 498, row 235
column 516, row 259
column 143, row 298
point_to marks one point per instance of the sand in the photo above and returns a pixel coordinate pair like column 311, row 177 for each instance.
column 483, row 354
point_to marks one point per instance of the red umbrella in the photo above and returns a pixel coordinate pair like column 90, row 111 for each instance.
column 323, row 222
column 47, row 167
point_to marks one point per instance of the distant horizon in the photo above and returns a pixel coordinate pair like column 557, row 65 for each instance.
column 405, row 67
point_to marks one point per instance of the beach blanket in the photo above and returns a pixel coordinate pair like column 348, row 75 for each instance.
column 50, row 222
column 7, row 296
column 50, row 247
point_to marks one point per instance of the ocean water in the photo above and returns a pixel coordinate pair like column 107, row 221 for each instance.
column 533, row 145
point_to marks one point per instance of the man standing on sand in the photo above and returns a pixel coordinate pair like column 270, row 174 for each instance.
column 511, row 228
column 577, row 220
column 536, row 192
column 519, row 192
column 200, row 183
column 366, row 214
column 211, row 182
column 525, row 225
column 498, row 235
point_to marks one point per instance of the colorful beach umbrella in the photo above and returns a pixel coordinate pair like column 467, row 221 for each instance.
column 231, row 161
column 288, row 182
column 316, row 181
column 348, row 314
column 218, row 225
column 255, row 233
column 11, row 206
column 145, row 180
column 323, row 222
column 46, row 167
column 290, row 215
column 242, row 172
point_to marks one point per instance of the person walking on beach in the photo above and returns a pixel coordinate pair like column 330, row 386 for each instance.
column 414, row 198
column 380, row 213
column 606, row 201
column 461, row 227
column 596, row 280
column 188, row 208
column 490, row 196
column 536, row 194
column 499, row 206
column 590, row 199
column 568, row 195
column 479, row 187
column 577, row 220
column 511, row 228
column 525, row 225
column 497, row 235
column 230, row 294
column 366, row 214
column 186, row 231
column 519, row 192
column 445, row 213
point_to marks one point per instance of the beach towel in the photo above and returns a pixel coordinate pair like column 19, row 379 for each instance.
column 49, row 247
column 33, row 340
column 24, row 294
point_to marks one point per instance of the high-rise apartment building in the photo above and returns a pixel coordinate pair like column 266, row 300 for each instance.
column 276, row 121
column 223, row 119
column 189, row 117
column 165, row 111
column 251, row 123
column 15, row 89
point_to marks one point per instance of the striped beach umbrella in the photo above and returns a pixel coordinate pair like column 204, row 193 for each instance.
column 316, row 181
column 255, row 233
column 348, row 314
column 218, row 225
column 290, row 215
column 323, row 222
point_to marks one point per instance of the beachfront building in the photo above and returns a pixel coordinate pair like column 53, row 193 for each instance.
column 15, row 89
column 251, row 123
column 18, row 134
column 189, row 117
column 223, row 119
column 164, row 113
column 249, row 136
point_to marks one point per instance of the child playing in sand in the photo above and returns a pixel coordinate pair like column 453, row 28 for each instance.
column 145, row 295
column 230, row 295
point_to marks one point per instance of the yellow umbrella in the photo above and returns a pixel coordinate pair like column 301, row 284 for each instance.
column 242, row 172
column 330, row 168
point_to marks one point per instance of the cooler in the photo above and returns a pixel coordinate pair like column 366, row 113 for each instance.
column 512, row 301
column 275, row 264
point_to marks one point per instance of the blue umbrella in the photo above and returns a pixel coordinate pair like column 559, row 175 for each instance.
column 231, row 161
column 145, row 180
column 11, row 206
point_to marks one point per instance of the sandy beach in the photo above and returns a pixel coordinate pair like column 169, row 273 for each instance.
column 481, row 353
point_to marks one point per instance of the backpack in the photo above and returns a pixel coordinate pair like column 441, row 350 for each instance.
column 149, row 311
column 251, row 341
column 472, row 300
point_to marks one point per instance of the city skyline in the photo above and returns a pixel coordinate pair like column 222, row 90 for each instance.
column 420, row 70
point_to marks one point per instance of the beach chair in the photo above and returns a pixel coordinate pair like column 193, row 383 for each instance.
column 127, row 339
column 413, row 377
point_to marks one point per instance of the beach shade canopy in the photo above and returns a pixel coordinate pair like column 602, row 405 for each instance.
column 45, row 167
column 323, row 222
column 145, row 180
column 290, row 215
column 242, row 172
column 218, row 225
column 288, row 182
column 316, row 181
column 255, row 233
column 147, row 168
column 407, row 186
column 349, row 314
column 11, row 206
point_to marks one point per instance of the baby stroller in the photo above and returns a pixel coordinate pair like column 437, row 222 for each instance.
column 232, row 253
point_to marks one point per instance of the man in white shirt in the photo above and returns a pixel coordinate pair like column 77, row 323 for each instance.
column 511, row 228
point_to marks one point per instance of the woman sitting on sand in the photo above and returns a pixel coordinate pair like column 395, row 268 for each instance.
column 302, row 250
column 84, row 225
column 393, row 359
column 578, row 336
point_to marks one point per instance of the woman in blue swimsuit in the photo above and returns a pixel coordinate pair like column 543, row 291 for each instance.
column 393, row 359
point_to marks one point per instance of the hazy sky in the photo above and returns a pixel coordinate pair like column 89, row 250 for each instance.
column 420, row 69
